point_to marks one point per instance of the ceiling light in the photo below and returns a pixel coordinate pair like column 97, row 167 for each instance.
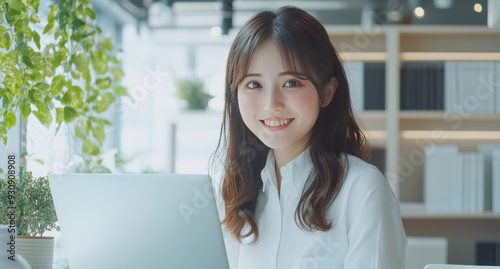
column 478, row 8
column 419, row 12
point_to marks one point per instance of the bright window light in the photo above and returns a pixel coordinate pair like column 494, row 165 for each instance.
column 216, row 31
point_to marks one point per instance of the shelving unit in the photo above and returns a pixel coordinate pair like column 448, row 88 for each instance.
column 405, row 133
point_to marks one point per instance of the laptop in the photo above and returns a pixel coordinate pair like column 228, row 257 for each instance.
column 138, row 221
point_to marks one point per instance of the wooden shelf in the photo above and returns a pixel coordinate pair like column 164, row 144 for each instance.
column 363, row 56
column 417, row 211
column 450, row 56
column 441, row 115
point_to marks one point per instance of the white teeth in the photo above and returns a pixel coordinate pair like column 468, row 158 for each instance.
column 276, row 123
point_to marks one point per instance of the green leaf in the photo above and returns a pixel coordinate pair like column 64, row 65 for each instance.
column 53, row 12
column 120, row 91
column 90, row 148
column 90, row 13
column 5, row 41
column 22, row 25
column 98, row 132
column 117, row 73
column 3, row 136
column 25, row 109
column 43, row 115
column 99, row 62
column 42, row 87
column 73, row 97
column 103, row 83
column 14, row 84
column 59, row 115
column 33, row 59
column 103, row 105
column 57, row 85
column 76, row 24
column 9, row 62
column 106, row 43
column 9, row 119
column 36, row 38
column 60, row 55
column 69, row 114
column 20, row 47
column 40, row 161
column 16, row 4
column 35, row 96
column 86, row 76
column 113, row 59
column 81, row 62
column 34, row 18
column 12, row 15
column 48, row 28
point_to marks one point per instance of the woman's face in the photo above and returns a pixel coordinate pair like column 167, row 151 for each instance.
column 279, row 108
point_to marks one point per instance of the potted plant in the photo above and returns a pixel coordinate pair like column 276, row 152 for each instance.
column 192, row 90
column 67, row 74
column 32, row 210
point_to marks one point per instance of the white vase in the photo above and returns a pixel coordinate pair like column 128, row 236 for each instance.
column 7, row 244
column 38, row 251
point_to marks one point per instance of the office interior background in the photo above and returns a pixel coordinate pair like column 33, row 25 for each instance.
column 416, row 69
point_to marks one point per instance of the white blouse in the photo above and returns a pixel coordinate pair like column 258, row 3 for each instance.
column 367, row 230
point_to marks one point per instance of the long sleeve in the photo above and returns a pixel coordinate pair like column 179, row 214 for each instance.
column 375, row 232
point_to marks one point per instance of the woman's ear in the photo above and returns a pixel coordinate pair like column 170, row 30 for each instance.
column 329, row 92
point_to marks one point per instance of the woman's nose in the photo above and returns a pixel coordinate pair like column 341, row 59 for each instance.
column 275, row 100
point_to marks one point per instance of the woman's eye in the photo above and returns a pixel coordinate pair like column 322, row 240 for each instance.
column 253, row 85
column 292, row 83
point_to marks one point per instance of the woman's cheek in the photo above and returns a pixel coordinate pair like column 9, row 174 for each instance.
column 306, row 100
column 247, row 104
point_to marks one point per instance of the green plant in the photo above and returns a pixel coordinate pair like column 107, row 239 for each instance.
column 193, row 92
column 34, row 207
column 71, row 80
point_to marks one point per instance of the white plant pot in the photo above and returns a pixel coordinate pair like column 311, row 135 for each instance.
column 38, row 251
column 8, row 244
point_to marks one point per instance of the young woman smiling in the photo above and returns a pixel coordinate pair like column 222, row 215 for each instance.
column 296, row 189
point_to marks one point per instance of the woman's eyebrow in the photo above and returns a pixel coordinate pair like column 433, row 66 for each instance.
column 295, row 74
column 253, row 75
column 286, row 73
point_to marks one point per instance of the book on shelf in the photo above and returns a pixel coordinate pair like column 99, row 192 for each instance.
column 366, row 85
column 374, row 86
column 454, row 182
column 495, row 176
column 422, row 86
column 490, row 183
column 355, row 76
column 421, row 251
column 451, row 86
column 488, row 253
column 472, row 86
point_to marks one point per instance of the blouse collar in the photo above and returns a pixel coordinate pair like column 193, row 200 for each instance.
column 297, row 170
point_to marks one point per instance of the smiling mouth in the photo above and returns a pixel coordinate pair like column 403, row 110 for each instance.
column 276, row 123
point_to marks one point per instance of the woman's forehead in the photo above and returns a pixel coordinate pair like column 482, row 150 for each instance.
column 273, row 54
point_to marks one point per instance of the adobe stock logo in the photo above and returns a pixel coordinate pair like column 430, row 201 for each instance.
column 201, row 199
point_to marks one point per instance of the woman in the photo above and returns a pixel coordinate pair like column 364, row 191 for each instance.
column 297, row 190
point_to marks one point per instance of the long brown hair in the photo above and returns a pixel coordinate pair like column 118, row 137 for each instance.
column 302, row 41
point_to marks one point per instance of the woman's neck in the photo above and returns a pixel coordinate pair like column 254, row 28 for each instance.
column 282, row 157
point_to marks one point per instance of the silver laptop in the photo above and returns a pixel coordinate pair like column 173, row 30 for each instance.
column 138, row 221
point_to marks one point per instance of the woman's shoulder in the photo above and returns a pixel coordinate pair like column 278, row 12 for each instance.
column 360, row 172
